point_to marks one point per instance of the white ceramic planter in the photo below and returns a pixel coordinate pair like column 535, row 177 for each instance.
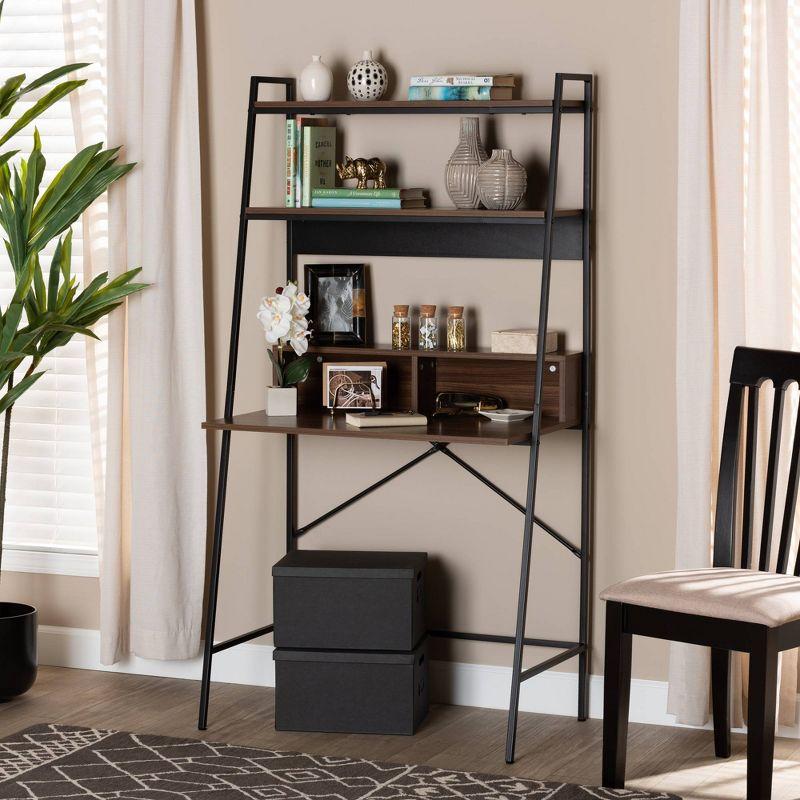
column 281, row 402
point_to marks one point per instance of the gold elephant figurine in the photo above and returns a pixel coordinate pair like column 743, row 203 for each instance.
column 363, row 170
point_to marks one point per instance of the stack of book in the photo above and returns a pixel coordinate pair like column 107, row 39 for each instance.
column 310, row 158
column 323, row 197
column 462, row 87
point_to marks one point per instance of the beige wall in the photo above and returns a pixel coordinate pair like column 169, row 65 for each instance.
column 472, row 537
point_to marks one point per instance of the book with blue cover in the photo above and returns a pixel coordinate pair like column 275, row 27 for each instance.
column 460, row 92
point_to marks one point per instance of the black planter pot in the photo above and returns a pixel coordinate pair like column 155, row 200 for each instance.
column 18, row 661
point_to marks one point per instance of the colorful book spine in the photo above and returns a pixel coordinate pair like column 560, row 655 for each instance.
column 450, row 93
column 291, row 161
column 319, row 154
column 451, row 80
column 298, row 182
column 346, row 202
column 356, row 194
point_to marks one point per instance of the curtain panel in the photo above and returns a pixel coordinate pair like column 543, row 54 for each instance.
column 149, row 447
column 738, row 270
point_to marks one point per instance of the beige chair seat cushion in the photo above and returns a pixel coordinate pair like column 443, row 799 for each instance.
column 740, row 594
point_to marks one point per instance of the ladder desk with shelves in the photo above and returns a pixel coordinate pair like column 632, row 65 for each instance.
column 558, row 387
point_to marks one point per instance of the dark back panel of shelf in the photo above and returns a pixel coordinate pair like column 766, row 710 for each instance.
column 437, row 240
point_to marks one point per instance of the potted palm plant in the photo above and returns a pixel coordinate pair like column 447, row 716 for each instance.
column 49, row 306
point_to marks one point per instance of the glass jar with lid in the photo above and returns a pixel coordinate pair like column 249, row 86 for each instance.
column 401, row 328
column 428, row 328
column 456, row 329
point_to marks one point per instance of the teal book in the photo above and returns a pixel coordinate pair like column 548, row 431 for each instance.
column 460, row 92
column 319, row 160
column 361, row 194
column 375, row 202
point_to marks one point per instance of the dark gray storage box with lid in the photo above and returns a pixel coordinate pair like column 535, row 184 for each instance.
column 351, row 691
column 349, row 600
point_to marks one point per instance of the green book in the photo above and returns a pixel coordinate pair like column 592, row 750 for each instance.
column 319, row 157
column 364, row 194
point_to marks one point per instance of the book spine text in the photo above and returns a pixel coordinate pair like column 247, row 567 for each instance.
column 357, row 194
column 452, row 80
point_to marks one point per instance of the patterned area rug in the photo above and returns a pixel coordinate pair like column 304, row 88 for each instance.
column 60, row 761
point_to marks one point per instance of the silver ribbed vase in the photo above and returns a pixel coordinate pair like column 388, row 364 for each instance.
column 461, row 172
column 502, row 181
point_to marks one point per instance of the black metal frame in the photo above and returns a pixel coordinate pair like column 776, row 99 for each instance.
column 303, row 236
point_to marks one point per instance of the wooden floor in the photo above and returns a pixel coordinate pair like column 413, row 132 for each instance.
column 549, row 748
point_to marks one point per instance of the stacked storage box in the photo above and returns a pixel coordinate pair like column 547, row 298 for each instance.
column 351, row 650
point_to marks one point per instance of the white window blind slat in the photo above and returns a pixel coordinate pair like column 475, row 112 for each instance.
column 51, row 483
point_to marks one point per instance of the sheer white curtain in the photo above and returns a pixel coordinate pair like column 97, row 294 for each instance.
column 738, row 276
column 150, row 450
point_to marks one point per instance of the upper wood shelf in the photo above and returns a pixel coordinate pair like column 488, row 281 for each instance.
column 417, row 107
column 465, row 429
column 479, row 215
column 479, row 353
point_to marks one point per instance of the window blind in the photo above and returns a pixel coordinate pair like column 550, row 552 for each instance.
column 51, row 503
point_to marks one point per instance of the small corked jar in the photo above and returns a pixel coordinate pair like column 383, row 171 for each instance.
column 456, row 329
column 401, row 328
column 428, row 328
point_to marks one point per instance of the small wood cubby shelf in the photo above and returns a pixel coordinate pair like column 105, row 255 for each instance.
column 412, row 381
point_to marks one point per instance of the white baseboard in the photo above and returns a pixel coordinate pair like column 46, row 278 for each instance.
column 456, row 683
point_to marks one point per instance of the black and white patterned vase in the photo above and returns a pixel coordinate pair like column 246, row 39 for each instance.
column 367, row 79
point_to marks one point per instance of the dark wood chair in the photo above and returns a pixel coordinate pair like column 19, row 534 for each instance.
column 746, row 608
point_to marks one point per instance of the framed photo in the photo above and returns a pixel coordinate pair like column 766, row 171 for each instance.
column 353, row 385
column 338, row 297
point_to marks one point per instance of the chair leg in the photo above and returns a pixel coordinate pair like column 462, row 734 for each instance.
column 761, row 702
column 720, row 692
column 616, row 702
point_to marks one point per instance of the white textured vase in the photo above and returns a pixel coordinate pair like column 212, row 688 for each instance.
column 367, row 79
column 316, row 80
column 461, row 172
column 502, row 181
column 281, row 402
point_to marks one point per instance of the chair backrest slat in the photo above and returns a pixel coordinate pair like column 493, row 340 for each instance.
column 790, row 506
column 749, row 505
column 751, row 368
column 724, row 533
column 771, row 487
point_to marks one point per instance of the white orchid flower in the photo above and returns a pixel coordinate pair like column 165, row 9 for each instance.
column 300, row 343
column 283, row 317
column 302, row 303
column 275, row 316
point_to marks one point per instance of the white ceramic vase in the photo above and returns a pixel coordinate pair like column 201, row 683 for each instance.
column 367, row 79
column 281, row 402
column 316, row 80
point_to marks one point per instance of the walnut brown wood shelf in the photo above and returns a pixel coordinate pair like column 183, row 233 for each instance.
column 477, row 215
column 452, row 430
column 417, row 107
column 557, row 387
column 475, row 353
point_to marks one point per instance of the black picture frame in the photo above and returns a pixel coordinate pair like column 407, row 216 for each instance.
column 338, row 295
